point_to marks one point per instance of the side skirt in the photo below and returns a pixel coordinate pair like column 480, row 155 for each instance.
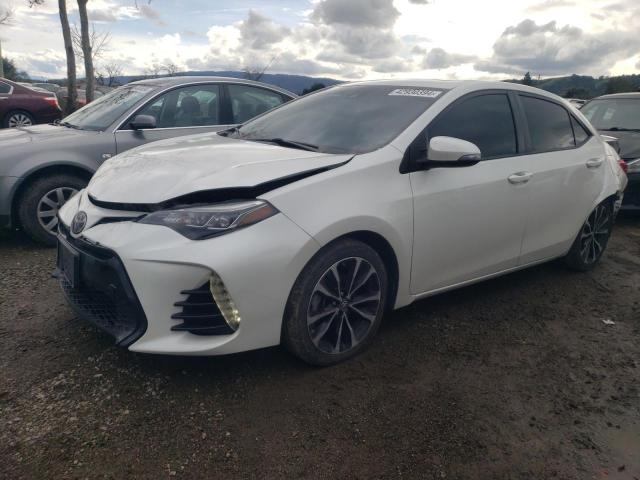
column 431, row 293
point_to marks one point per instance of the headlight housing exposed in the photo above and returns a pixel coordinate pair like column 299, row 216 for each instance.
column 200, row 222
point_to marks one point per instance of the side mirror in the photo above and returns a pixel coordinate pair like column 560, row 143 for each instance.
column 143, row 122
column 451, row 152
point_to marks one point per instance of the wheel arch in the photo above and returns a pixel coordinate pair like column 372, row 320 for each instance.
column 17, row 110
column 68, row 168
column 383, row 248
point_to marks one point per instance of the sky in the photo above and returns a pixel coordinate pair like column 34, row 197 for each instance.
column 344, row 39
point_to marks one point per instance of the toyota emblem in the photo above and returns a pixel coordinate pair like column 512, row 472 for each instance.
column 79, row 222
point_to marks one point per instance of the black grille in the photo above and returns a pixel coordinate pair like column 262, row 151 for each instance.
column 101, row 291
column 200, row 314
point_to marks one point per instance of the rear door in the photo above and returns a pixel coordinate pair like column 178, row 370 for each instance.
column 567, row 171
column 469, row 222
column 185, row 110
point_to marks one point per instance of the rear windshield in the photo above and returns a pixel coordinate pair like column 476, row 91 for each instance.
column 613, row 113
column 344, row 119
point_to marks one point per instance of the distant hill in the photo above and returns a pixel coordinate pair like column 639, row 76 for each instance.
column 293, row 83
column 582, row 86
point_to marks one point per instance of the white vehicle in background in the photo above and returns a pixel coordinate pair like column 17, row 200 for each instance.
column 304, row 225
column 577, row 102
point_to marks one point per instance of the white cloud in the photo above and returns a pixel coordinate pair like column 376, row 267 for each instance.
column 352, row 39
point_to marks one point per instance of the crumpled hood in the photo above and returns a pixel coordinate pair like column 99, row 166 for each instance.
column 172, row 168
column 38, row 134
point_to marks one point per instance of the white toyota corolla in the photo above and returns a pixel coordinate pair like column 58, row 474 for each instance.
column 305, row 224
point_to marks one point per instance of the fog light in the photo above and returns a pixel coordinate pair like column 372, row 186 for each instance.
column 224, row 302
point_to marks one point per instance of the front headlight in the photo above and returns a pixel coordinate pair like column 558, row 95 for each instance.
column 202, row 222
column 633, row 166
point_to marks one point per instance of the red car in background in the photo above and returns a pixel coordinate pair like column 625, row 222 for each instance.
column 22, row 106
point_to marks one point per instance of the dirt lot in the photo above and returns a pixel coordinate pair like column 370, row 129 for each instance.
column 514, row 378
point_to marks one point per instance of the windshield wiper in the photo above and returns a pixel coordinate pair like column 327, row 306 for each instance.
column 287, row 143
column 621, row 129
column 69, row 125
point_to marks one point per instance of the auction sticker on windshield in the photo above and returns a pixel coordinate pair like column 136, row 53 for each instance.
column 416, row 92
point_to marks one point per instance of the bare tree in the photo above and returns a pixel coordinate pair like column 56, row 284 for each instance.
column 154, row 70
column 5, row 17
column 71, row 58
column 100, row 42
column 112, row 71
column 256, row 73
column 68, row 49
column 171, row 68
column 85, row 37
column 6, row 13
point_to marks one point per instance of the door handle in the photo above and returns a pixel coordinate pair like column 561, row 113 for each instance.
column 594, row 162
column 520, row 177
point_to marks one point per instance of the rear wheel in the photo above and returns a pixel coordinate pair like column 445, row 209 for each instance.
column 40, row 202
column 591, row 242
column 18, row 118
column 337, row 303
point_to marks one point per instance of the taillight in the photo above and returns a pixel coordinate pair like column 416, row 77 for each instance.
column 623, row 165
column 53, row 101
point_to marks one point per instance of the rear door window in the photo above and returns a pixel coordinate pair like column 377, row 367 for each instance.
column 485, row 120
column 549, row 125
column 5, row 88
column 248, row 102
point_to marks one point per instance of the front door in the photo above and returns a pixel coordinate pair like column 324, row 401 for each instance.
column 469, row 222
column 182, row 111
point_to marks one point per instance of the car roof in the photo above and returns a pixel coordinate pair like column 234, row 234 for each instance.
column 634, row 95
column 467, row 85
column 187, row 79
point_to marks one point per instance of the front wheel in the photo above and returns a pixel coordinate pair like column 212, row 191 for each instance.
column 40, row 202
column 337, row 303
column 591, row 242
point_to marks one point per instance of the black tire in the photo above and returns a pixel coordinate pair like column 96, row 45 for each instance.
column 355, row 260
column 30, row 197
column 587, row 248
column 9, row 115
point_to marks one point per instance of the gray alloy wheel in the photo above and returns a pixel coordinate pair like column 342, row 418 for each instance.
column 591, row 241
column 344, row 305
column 50, row 204
column 594, row 235
column 19, row 119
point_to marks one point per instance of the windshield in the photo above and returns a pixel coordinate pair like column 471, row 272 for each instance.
column 344, row 119
column 101, row 113
column 614, row 113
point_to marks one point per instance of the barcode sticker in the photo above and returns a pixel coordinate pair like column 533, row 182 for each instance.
column 416, row 92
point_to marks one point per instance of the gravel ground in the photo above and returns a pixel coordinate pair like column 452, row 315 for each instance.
column 518, row 377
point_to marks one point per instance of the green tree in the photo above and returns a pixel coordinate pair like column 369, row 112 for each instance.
column 527, row 80
column 577, row 92
column 619, row 85
column 11, row 72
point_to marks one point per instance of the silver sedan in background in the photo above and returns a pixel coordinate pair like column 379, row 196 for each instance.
column 42, row 166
